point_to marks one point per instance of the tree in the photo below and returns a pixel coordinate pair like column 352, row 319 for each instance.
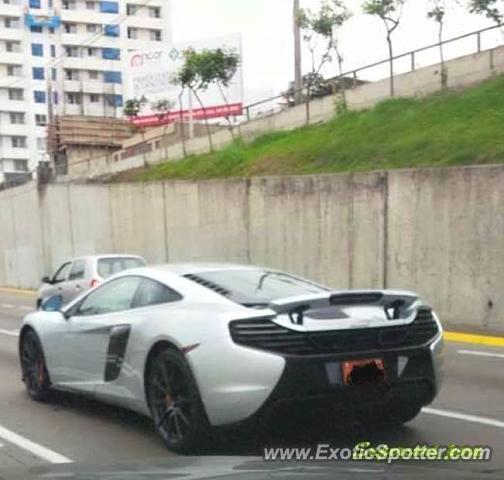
column 205, row 68
column 132, row 109
column 489, row 8
column 437, row 12
column 389, row 11
column 163, row 108
column 322, row 25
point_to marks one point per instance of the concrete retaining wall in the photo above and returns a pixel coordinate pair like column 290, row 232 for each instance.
column 437, row 231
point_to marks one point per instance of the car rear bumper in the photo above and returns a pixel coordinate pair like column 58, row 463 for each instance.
column 412, row 378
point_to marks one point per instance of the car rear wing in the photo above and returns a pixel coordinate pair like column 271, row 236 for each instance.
column 395, row 304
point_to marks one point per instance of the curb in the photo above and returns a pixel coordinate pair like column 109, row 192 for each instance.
column 459, row 337
column 20, row 291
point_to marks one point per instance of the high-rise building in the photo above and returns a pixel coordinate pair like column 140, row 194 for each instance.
column 66, row 57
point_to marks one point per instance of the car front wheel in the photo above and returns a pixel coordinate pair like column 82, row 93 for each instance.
column 175, row 404
column 33, row 366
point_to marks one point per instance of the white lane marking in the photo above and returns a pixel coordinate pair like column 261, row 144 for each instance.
column 10, row 333
column 6, row 305
column 32, row 447
column 480, row 353
column 463, row 416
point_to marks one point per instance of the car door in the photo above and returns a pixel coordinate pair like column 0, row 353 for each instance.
column 57, row 284
column 90, row 326
column 75, row 284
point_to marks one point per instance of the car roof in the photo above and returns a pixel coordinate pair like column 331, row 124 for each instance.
column 105, row 256
column 200, row 267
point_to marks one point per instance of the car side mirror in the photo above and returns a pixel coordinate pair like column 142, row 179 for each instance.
column 53, row 304
column 47, row 280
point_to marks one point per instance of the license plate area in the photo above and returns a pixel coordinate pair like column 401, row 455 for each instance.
column 369, row 371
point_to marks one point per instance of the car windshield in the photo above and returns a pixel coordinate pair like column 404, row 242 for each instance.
column 256, row 287
column 112, row 265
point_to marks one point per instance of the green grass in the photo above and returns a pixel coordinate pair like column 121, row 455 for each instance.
column 454, row 128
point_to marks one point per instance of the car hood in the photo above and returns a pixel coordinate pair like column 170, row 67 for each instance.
column 193, row 468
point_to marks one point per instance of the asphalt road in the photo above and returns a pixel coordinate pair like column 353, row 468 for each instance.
column 469, row 411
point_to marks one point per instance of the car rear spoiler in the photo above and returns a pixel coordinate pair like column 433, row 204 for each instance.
column 395, row 304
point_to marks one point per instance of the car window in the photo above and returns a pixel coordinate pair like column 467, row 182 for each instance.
column 112, row 265
column 78, row 270
column 151, row 292
column 62, row 273
column 114, row 296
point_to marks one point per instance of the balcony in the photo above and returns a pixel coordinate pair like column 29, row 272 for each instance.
column 86, row 86
column 87, row 63
column 12, row 58
column 14, row 153
column 13, row 106
column 83, row 39
column 11, row 33
column 144, row 21
column 7, row 128
column 10, row 10
column 20, row 82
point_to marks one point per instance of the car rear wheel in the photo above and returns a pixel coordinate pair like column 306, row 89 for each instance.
column 33, row 366
column 175, row 404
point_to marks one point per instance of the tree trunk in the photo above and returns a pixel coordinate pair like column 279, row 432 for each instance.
column 182, row 126
column 444, row 73
column 207, row 125
column 230, row 124
column 298, row 77
column 341, row 80
column 144, row 153
column 165, row 143
column 391, row 65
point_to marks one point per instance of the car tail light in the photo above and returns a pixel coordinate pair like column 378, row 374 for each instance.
column 94, row 282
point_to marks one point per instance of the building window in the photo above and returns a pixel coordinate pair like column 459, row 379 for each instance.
column 18, row 142
column 72, row 51
column 90, row 5
column 94, row 98
column 54, row 74
column 13, row 47
column 109, row 7
column 72, row 74
column 154, row 12
column 55, row 98
column 131, row 9
column 37, row 49
column 35, row 29
column 11, row 22
column 132, row 33
column 114, row 100
column 92, row 28
column 20, row 165
column 17, row 118
column 73, row 98
column 112, row 77
column 93, row 74
column 112, row 30
column 155, row 35
column 38, row 73
column 92, row 52
column 41, row 120
column 111, row 54
column 41, row 143
column 16, row 94
column 14, row 71
column 34, row 3
column 69, row 4
column 39, row 96
column 70, row 28
column 53, row 51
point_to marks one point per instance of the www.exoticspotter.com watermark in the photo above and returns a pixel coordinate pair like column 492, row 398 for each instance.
column 365, row 451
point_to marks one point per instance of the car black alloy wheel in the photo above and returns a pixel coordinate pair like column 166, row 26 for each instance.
column 35, row 375
column 175, row 404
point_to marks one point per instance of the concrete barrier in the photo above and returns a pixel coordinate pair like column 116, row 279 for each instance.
column 438, row 231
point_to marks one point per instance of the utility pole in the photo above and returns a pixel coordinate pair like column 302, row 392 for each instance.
column 298, row 80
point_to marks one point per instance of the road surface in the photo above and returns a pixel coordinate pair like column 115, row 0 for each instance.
column 469, row 411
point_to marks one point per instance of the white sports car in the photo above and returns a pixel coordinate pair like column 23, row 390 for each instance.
column 197, row 346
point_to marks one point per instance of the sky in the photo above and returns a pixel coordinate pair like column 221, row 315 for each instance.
column 266, row 29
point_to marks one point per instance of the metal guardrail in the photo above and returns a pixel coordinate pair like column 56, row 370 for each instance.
column 412, row 54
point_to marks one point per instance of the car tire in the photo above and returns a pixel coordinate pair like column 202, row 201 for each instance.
column 175, row 403
column 33, row 366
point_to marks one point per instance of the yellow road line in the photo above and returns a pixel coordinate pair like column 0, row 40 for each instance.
column 18, row 290
column 474, row 339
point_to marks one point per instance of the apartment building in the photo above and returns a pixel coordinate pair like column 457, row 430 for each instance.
column 66, row 57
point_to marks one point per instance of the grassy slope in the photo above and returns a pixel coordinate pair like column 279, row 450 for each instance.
column 454, row 128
